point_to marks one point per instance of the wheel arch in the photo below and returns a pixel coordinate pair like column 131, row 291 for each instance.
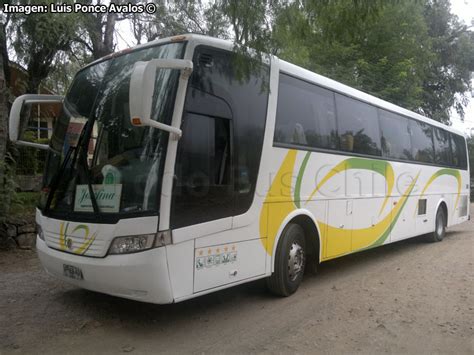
column 306, row 220
column 442, row 204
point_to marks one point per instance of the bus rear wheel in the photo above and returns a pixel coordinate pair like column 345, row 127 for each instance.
column 290, row 261
column 440, row 227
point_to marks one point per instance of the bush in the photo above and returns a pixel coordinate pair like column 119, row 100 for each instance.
column 30, row 161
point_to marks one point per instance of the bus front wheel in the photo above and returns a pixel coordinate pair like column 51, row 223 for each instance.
column 290, row 260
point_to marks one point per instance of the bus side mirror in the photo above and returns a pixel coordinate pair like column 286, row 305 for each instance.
column 142, row 85
column 15, row 112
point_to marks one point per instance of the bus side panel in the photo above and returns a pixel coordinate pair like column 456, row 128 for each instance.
column 425, row 222
column 180, row 265
column 339, row 239
column 404, row 223
column 370, row 223
column 228, row 263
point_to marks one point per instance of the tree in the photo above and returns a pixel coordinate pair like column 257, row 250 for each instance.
column 179, row 17
column 4, row 193
column 448, row 74
column 37, row 40
column 99, row 29
column 415, row 54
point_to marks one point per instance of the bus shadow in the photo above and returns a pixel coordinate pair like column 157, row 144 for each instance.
column 110, row 310
column 347, row 263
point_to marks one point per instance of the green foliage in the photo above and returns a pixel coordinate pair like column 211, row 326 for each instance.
column 30, row 161
column 448, row 72
column 24, row 202
column 415, row 54
column 37, row 39
column 8, row 185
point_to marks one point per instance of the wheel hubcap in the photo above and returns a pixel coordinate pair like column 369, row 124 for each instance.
column 295, row 261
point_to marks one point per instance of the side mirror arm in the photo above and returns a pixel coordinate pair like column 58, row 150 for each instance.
column 142, row 85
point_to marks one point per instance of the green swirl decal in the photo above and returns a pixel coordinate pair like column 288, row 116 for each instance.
column 380, row 167
column 450, row 172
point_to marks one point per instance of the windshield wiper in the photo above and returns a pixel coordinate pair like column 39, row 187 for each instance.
column 59, row 174
column 56, row 180
column 82, row 162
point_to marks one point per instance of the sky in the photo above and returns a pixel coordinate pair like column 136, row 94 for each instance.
column 464, row 9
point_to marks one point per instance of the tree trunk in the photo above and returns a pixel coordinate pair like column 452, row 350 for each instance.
column 4, row 193
column 102, row 42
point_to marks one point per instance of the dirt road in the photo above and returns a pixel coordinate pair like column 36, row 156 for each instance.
column 409, row 297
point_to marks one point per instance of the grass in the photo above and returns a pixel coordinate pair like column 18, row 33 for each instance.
column 24, row 203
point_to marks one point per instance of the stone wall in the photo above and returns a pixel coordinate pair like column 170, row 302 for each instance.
column 29, row 182
column 18, row 232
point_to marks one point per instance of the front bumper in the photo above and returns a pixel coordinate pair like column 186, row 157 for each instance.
column 141, row 276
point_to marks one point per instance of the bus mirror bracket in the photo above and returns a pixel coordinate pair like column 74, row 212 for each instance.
column 142, row 84
column 15, row 112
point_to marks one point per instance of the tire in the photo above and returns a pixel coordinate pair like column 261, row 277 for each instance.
column 440, row 227
column 290, row 260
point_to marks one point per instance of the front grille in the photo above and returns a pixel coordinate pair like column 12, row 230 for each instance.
column 74, row 244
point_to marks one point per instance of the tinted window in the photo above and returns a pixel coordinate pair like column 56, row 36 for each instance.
column 220, row 89
column 358, row 126
column 459, row 154
column 396, row 142
column 203, row 185
column 305, row 114
column 422, row 141
column 442, row 147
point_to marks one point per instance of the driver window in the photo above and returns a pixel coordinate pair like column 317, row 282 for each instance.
column 203, row 184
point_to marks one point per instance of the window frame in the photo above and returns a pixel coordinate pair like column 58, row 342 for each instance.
column 231, row 212
column 379, row 110
column 378, row 129
column 333, row 100
column 433, row 149
column 450, row 152
column 375, row 157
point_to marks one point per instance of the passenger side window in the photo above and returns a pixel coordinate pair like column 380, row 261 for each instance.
column 358, row 126
column 422, row 141
column 305, row 114
column 396, row 142
column 459, row 154
column 203, row 188
column 442, row 147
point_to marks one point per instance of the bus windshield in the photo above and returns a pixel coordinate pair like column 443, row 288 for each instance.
column 98, row 162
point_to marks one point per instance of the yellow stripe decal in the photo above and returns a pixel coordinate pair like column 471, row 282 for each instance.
column 381, row 167
column 87, row 239
column 280, row 202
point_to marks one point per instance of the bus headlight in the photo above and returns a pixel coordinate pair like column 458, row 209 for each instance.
column 132, row 244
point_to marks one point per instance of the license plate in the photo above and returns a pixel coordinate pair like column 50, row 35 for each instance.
column 73, row 272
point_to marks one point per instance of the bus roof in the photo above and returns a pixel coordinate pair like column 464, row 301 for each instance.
column 293, row 70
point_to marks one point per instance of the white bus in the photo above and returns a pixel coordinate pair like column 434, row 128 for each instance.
column 171, row 173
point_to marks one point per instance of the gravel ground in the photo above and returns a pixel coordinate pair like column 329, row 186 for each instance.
column 408, row 297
